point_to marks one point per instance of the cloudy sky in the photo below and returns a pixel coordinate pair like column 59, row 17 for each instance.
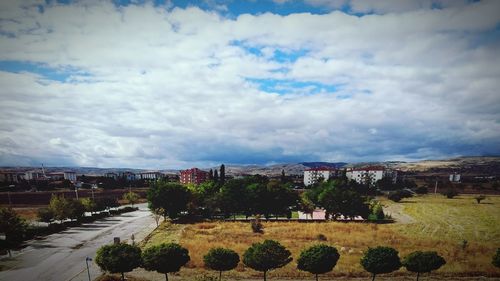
column 175, row 84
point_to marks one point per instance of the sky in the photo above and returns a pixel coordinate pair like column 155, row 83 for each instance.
column 178, row 84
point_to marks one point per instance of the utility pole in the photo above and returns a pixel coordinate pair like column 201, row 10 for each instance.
column 87, row 259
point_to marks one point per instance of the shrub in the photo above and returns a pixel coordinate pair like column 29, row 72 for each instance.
column 318, row 259
column 256, row 225
column 450, row 193
column 321, row 237
column 422, row 190
column 131, row 197
column 380, row 260
column 266, row 256
column 221, row 259
column 118, row 258
column 45, row 215
column 480, row 198
column 394, row 196
column 423, row 262
column 496, row 259
column 165, row 258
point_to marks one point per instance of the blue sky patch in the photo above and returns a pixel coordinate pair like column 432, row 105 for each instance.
column 287, row 86
column 62, row 75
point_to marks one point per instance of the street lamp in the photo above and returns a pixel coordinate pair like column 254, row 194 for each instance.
column 87, row 259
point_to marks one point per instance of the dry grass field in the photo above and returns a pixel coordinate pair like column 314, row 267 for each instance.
column 438, row 224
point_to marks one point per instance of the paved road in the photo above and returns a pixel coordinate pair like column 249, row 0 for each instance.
column 61, row 256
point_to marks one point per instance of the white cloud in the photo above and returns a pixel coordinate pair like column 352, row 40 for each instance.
column 167, row 88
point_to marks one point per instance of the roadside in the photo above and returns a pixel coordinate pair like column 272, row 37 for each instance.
column 61, row 256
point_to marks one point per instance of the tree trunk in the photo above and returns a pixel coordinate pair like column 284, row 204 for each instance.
column 123, row 276
column 418, row 275
column 316, row 277
column 220, row 275
column 265, row 275
column 166, row 276
column 373, row 279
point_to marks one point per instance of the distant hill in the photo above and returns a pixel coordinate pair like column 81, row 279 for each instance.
column 479, row 165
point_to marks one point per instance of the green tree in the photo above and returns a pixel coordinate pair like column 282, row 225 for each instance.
column 222, row 179
column 118, row 258
column 172, row 198
column 131, row 197
column 89, row 205
column 380, row 260
column 480, row 198
column 165, row 258
column 266, row 256
column 75, row 209
column 13, row 227
column 496, row 259
column 221, row 259
column 423, row 262
column 59, row 206
column 306, row 205
column 45, row 215
column 318, row 259
column 233, row 197
column 341, row 201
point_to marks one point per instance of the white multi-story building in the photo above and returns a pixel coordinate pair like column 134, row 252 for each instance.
column 313, row 175
column 366, row 175
column 150, row 175
column 71, row 176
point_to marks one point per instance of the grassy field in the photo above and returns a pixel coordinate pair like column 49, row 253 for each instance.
column 437, row 224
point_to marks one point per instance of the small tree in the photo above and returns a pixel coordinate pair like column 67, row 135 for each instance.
column 266, row 256
column 450, row 193
column 89, row 205
column 480, row 198
column 318, row 259
column 165, row 258
column 131, row 197
column 380, row 260
column 423, row 262
column 45, row 215
column 118, row 258
column 221, row 259
column 13, row 227
column 496, row 259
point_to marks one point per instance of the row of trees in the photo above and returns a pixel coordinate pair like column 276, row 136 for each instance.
column 257, row 195
column 61, row 208
column 268, row 255
column 249, row 196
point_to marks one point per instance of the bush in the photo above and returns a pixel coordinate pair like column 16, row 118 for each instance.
column 165, row 258
column 266, row 256
column 422, row 190
column 221, row 259
column 394, row 196
column 423, row 262
column 45, row 215
column 118, row 258
column 380, row 260
column 496, row 259
column 480, row 198
column 450, row 193
column 321, row 237
column 256, row 225
column 318, row 259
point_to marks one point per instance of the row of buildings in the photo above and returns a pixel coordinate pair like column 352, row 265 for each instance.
column 364, row 175
column 14, row 176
